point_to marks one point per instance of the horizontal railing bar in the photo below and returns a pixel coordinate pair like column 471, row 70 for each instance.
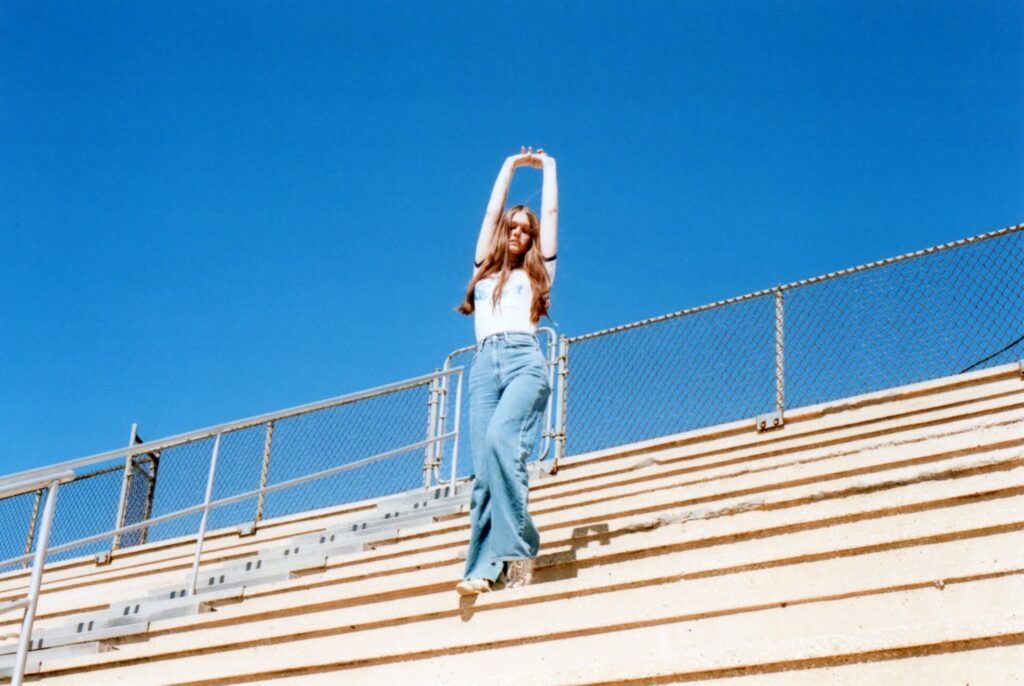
column 13, row 605
column 797, row 284
column 200, row 434
column 34, row 484
column 232, row 499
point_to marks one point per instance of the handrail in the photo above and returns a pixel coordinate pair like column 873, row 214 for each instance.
column 34, row 484
column 31, row 600
column 442, row 415
column 194, row 509
column 191, row 436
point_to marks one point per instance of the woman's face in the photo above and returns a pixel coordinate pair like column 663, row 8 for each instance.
column 518, row 238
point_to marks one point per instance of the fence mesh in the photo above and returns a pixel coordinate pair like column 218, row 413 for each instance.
column 16, row 517
column 339, row 435
column 935, row 313
column 926, row 317
column 932, row 314
column 695, row 370
column 87, row 506
column 139, row 498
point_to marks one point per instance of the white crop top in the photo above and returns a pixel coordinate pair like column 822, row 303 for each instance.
column 513, row 310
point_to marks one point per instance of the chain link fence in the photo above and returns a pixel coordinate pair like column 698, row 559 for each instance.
column 688, row 370
column 936, row 313
column 928, row 314
column 19, row 517
column 86, row 506
column 173, row 475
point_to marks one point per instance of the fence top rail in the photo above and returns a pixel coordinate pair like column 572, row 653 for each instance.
column 803, row 282
column 11, row 489
column 46, row 473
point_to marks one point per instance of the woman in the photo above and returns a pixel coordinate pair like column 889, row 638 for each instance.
column 508, row 384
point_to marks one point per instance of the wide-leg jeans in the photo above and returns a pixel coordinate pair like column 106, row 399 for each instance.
column 508, row 388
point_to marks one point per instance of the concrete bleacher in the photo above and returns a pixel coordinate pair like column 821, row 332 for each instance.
column 874, row 539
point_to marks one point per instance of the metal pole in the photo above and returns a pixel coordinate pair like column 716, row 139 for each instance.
column 442, row 415
column 264, row 471
column 780, row 349
column 429, row 464
column 550, row 364
column 25, row 638
column 122, row 503
column 455, row 430
column 563, row 382
column 31, row 534
column 206, row 512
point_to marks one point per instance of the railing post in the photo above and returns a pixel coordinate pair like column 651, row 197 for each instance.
column 563, row 382
column 31, row 533
column 122, row 503
column 206, row 512
column 264, row 473
column 549, row 368
column 442, row 415
column 25, row 637
column 455, row 430
column 430, row 461
column 780, row 354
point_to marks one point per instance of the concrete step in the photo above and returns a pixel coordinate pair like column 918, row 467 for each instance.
column 815, row 539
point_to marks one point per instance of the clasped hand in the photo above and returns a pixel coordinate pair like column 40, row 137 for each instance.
column 528, row 158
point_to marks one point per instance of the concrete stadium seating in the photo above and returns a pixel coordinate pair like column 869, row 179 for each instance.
column 874, row 539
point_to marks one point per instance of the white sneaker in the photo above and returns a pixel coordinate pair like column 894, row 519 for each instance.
column 518, row 572
column 473, row 586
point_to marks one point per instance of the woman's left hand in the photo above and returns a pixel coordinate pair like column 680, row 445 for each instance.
column 534, row 159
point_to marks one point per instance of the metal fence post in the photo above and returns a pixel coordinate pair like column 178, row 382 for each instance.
column 122, row 503
column 31, row 533
column 206, row 512
column 563, row 382
column 264, row 472
column 780, row 354
column 25, row 637
column 430, row 461
column 442, row 416
column 456, row 429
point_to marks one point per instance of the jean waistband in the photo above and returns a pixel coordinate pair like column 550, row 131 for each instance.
column 508, row 337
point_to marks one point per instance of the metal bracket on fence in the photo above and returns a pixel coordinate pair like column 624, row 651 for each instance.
column 768, row 422
column 1020, row 363
column 541, row 469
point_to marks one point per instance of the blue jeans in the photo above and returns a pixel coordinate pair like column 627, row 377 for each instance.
column 508, row 388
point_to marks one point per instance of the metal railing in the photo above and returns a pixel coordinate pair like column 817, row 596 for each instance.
column 434, row 463
column 926, row 314
column 51, row 482
column 221, row 437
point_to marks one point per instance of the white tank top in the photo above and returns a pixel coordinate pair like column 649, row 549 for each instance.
column 513, row 310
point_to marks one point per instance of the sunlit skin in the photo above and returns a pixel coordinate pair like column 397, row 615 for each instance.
column 548, row 238
column 518, row 238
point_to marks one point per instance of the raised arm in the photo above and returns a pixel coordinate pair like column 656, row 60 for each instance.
column 494, row 207
column 549, row 208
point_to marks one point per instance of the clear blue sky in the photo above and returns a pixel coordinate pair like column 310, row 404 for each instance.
column 214, row 209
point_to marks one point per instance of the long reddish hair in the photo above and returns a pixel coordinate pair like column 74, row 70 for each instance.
column 501, row 262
